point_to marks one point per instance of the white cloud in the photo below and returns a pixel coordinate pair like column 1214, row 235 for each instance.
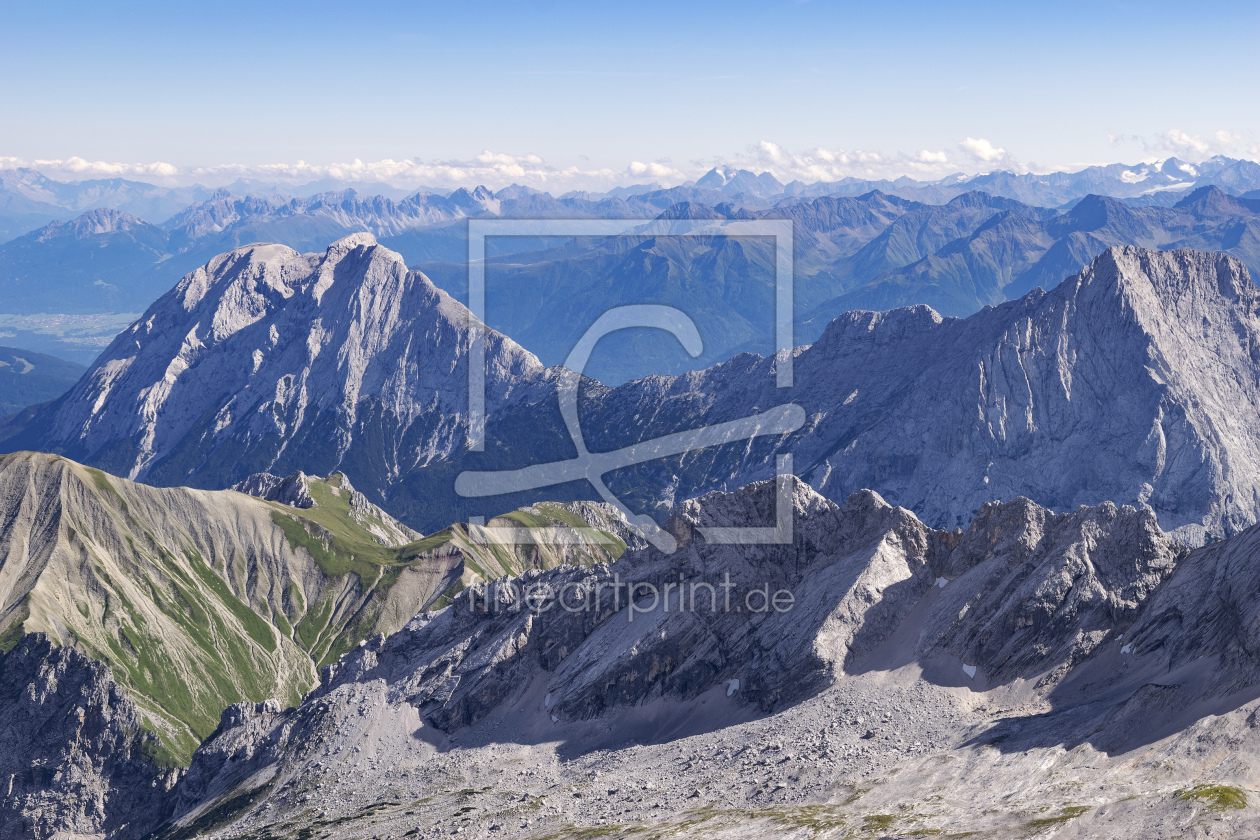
column 1227, row 138
column 498, row 169
column 1179, row 141
column 982, row 150
column 488, row 167
column 1197, row 146
column 823, row 164
column 1193, row 147
column 81, row 169
column 655, row 171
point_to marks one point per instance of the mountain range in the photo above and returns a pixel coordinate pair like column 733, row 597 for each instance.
column 1076, row 674
column 1130, row 382
column 162, row 607
column 874, row 251
column 29, row 199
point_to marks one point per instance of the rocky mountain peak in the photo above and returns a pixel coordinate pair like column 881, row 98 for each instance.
column 91, row 223
column 1179, row 296
column 1178, row 170
column 293, row 490
column 865, row 327
column 1211, row 198
column 478, row 200
column 1096, row 211
column 263, row 340
column 736, row 181
column 300, row 491
column 345, row 244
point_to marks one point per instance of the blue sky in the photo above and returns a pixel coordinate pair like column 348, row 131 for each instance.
column 624, row 92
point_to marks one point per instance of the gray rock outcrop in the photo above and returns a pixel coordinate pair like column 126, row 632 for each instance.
column 74, row 759
column 291, row 490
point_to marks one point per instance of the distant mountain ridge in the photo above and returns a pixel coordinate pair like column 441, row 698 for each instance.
column 29, row 199
column 954, row 250
column 873, row 252
column 1007, row 254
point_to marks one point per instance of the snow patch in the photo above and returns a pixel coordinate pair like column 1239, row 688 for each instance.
column 732, row 686
column 970, row 671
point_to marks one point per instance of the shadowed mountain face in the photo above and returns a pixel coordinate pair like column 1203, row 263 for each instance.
column 76, row 756
column 98, row 262
column 28, row 378
column 1008, row 254
column 1130, row 382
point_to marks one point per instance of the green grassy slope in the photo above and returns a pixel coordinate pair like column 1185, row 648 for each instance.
column 201, row 599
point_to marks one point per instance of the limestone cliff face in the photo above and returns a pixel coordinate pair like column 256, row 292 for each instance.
column 266, row 360
column 1024, row 593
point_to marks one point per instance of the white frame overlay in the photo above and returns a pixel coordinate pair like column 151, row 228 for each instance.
column 780, row 230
